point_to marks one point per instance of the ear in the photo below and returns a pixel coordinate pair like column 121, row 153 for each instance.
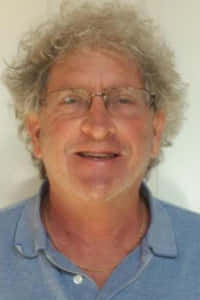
column 33, row 128
column 159, row 120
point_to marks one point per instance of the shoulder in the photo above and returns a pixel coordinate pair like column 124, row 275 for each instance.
column 180, row 216
column 185, row 225
column 12, row 210
column 9, row 217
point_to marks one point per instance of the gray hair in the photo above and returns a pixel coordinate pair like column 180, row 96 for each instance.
column 113, row 25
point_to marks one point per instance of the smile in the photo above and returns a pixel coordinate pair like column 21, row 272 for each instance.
column 98, row 156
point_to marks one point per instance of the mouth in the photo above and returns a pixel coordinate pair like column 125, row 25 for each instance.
column 98, row 156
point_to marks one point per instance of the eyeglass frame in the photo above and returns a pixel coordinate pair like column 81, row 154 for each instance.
column 103, row 94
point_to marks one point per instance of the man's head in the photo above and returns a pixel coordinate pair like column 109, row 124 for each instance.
column 114, row 28
column 103, row 149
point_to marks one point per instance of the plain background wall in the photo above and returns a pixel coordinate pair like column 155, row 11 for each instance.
column 17, row 176
column 176, row 179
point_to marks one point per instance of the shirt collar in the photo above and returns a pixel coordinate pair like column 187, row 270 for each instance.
column 160, row 236
column 30, row 235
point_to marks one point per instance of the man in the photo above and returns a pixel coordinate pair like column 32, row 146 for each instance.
column 98, row 97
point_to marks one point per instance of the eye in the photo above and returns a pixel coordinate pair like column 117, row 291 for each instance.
column 73, row 99
column 125, row 100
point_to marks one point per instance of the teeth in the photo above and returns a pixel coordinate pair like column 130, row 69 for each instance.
column 97, row 155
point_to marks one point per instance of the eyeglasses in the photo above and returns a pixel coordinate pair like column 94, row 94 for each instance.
column 124, row 102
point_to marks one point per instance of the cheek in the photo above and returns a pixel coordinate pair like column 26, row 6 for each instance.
column 55, row 125
column 52, row 124
column 139, row 134
column 56, row 133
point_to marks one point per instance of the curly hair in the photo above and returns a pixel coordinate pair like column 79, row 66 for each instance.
column 114, row 25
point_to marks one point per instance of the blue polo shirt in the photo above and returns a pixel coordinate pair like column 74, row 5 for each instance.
column 165, row 266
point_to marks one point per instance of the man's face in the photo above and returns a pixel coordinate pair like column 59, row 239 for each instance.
column 58, row 138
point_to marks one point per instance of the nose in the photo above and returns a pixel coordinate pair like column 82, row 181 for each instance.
column 98, row 123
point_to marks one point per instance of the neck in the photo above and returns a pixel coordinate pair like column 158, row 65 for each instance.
column 95, row 236
column 89, row 222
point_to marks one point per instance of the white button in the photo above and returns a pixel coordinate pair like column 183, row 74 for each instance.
column 78, row 279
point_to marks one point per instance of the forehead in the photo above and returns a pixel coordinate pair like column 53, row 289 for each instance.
column 94, row 70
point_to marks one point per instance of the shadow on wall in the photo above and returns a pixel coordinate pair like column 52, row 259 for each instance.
column 28, row 188
column 169, row 191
